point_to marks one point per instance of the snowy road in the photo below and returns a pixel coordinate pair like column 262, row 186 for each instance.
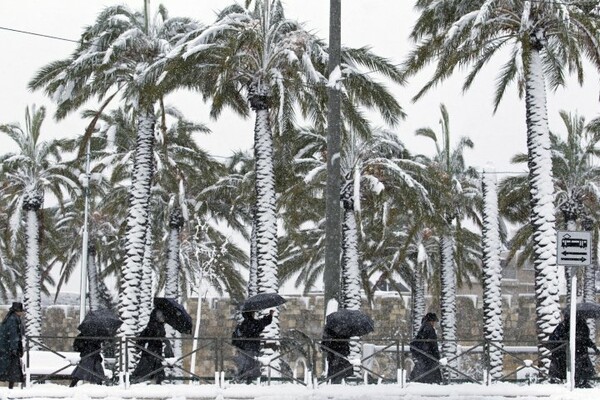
column 298, row 392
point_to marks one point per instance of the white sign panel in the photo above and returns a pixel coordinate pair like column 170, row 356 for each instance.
column 573, row 249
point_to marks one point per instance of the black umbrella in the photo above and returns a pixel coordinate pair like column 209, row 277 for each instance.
column 347, row 323
column 175, row 314
column 586, row 310
column 262, row 301
column 102, row 322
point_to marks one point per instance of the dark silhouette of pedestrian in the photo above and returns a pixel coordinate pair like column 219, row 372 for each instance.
column 557, row 344
column 245, row 338
column 90, row 367
column 152, row 339
column 425, row 353
column 11, row 345
column 336, row 349
column 584, row 369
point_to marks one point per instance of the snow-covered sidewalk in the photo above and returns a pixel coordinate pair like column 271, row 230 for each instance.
column 297, row 392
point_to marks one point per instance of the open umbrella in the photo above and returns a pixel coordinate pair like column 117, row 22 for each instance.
column 102, row 322
column 586, row 310
column 262, row 301
column 347, row 323
column 175, row 314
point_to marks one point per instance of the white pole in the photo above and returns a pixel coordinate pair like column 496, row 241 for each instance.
column 197, row 327
column 84, row 249
column 572, row 323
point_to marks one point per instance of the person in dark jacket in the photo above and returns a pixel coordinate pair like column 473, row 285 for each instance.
column 90, row 365
column 11, row 346
column 425, row 353
column 152, row 339
column 245, row 339
column 584, row 369
column 557, row 344
column 336, row 349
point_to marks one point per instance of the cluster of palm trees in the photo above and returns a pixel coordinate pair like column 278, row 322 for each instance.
column 162, row 210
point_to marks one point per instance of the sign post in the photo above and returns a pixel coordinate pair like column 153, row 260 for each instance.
column 573, row 249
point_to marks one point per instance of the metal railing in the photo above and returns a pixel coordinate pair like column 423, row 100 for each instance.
column 300, row 361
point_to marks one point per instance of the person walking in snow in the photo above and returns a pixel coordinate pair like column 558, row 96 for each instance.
column 557, row 344
column 425, row 353
column 152, row 339
column 11, row 346
column 245, row 338
column 584, row 369
column 90, row 365
column 336, row 349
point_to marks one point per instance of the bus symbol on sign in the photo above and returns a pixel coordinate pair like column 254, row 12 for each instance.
column 573, row 249
column 568, row 241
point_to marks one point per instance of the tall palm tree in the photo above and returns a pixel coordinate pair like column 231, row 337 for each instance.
column 545, row 39
column 454, row 192
column 35, row 169
column 114, row 55
column 492, row 273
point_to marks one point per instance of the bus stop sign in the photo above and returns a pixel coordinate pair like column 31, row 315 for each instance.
column 573, row 249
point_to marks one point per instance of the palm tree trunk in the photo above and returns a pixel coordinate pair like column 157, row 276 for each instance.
column 418, row 299
column 448, row 300
column 99, row 295
column 266, row 219
column 350, row 296
column 542, row 208
column 350, row 269
column 172, row 281
column 137, row 221
column 172, row 270
column 492, row 277
column 146, row 281
column 252, row 274
column 32, row 292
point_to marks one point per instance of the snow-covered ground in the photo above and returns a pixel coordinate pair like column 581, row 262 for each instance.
column 298, row 392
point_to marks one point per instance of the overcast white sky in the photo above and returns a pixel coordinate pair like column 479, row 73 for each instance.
column 382, row 24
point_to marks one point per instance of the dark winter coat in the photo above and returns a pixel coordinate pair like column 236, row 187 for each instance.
column 425, row 354
column 336, row 351
column 584, row 369
column 152, row 339
column 558, row 357
column 248, row 368
column 11, row 348
column 250, row 328
column 90, row 365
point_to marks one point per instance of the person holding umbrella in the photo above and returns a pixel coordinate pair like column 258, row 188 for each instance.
column 336, row 349
column 245, row 338
column 425, row 353
column 96, row 324
column 152, row 339
column 584, row 369
column 90, row 365
column 340, row 326
column 11, row 345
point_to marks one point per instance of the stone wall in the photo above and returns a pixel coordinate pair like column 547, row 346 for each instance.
column 303, row 316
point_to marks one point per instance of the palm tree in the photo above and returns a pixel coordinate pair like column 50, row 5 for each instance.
column 546, row 37
column 454, row 194
column 114, row 55
column 35, row 169
column 492, row 274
